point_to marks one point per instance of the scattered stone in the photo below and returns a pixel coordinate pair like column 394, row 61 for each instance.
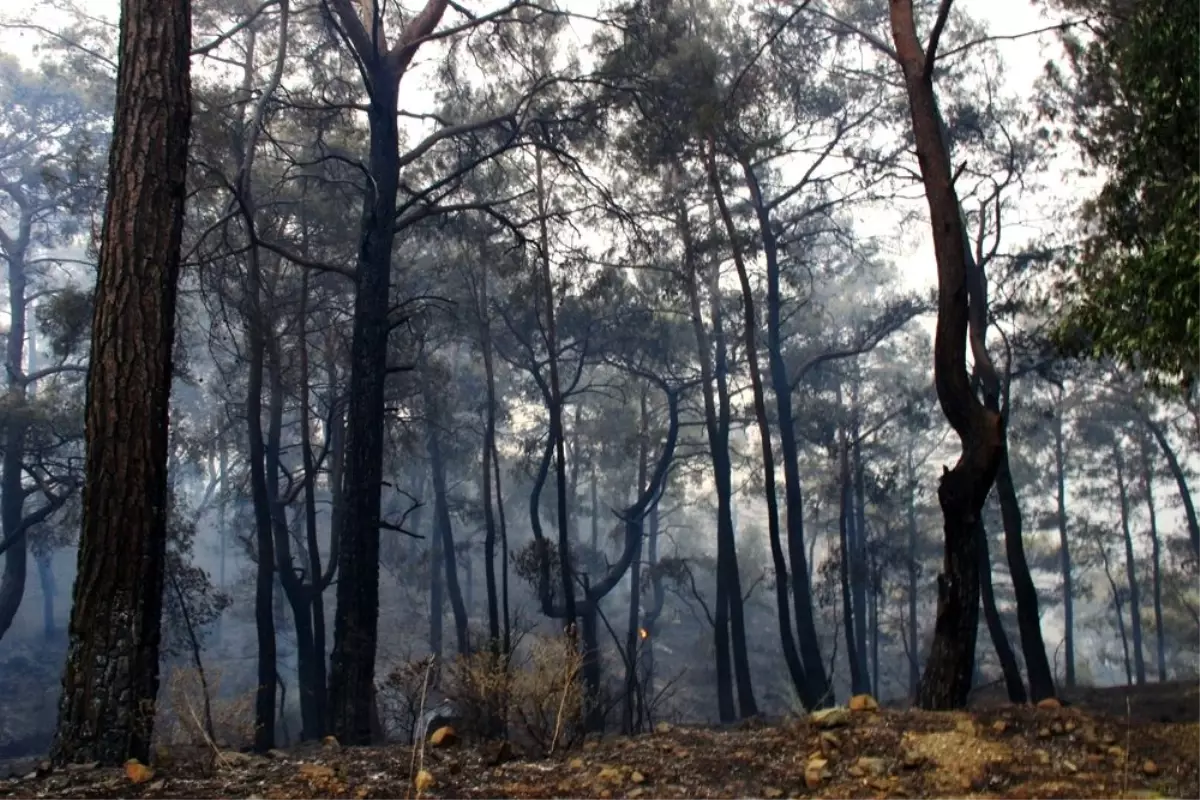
column 576, row 763
column 83, row 767
column 815, row 771
column 1057, row 728
column 830, row 739
column 1116, row 753
column 1150, row 768
column 316, row 772
column 609, row 774
column 1070, row 767
column 772, row 792
column 1049, row 703
column 965, row 726
column 1042, row 757
column 1043, row 733
column 872, row 766
column 911, row 760
column 828, row 718
column 330, row 742
column 999, row 726
column 662, row 727
column 635, row 792
column 1070, row 726
column 637, row 777
column 444, row 736
column 863, row 702
column 276, row 754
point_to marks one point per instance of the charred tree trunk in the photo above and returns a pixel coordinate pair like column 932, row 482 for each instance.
column 444, row 530
column 356, row 623
column 791, row 655
column 506, row 618
column 964, row 489
column 629, row 707
column 1117, row 609
column 1004, row 651
column 12, row 492
column 264, row 550
column 318, row 580
column 1064, row 547
column 557, row 435
column 859, row 577
column 1185, row 494
column 111, row 678
column 1033, row 646
column 1160, row 651
column 1135, row 595
column 489, row 445
column 914, row 660
column 650, row 618
column 727, row 560
column 806, row 631
column 717, row 445
column 858, row 681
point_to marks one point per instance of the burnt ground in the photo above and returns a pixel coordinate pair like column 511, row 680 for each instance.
column 1096, row 747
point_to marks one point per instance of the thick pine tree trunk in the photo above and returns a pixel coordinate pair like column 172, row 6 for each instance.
column 111, row 678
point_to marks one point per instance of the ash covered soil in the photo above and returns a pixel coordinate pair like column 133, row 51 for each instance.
column 1104, row 746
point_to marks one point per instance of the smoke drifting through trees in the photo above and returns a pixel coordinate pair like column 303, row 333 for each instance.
column 500, row 323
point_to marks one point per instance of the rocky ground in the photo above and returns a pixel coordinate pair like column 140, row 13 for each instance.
column 861, row 751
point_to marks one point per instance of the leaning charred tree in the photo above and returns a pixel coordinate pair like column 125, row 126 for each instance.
column 107, row 709
column 964, row 489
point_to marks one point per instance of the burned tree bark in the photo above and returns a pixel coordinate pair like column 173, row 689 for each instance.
column 791, row 655
column 106, row 712
column 964, row 489
column 352, row 664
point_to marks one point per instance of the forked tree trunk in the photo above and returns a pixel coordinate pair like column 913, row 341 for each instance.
column 111, row 678
column 801, row 584
column 791, row 655
column 964, row 489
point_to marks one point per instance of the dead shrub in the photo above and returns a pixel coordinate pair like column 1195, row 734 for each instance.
column 180, row 731
column 546, row 695
column 400, row 697
column 536, row 698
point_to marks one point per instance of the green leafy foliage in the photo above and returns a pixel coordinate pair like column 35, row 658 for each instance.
column 1133, row 291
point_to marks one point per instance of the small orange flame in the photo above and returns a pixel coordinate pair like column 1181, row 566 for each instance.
column 642, row 632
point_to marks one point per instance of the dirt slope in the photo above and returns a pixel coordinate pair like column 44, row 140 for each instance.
column 1007, row 751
